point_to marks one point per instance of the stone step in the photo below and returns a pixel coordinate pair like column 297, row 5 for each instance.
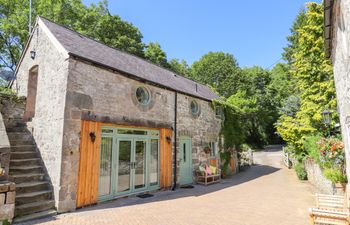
column 21, row 142
column 17, row 129
column 31, row 197
column 33, row 216
column 25, row 162
column 34, row 207
column 34, row 186
column 23, row 148
column 25, row 169
column 24, row 155
column 15, row 136
column 11, row 122
column 23, row 178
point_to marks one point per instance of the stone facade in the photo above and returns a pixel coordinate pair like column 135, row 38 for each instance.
column 107, row 94
column 7, row 201
column 341, row 62
column 47, row 123
column 70, row 90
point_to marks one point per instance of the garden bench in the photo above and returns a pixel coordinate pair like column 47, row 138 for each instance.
column 331, row 209
column 204, row 178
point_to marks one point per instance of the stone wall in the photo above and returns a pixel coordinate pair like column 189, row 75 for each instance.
column 341, row 63
column 47, row 123
column 317, row 179
column 11, row 110
column 7, row 201
column 4, row 150
column 100, row 93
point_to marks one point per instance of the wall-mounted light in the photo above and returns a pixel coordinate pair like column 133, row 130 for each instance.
column 32, row 54
column 168, row 139
column 92, row 136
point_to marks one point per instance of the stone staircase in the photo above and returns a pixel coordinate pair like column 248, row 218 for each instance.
column 34, row 195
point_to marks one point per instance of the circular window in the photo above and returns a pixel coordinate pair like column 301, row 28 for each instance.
column 194, row 108
column 143, row 96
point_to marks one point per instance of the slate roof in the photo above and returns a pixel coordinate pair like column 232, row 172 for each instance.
column 83, row 47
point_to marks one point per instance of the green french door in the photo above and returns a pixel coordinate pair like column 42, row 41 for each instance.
column 129, row 162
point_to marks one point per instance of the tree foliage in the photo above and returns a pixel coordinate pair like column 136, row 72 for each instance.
column 313, row 77
column 180, row 67
column 155, row 54
column 219, row 70
column 94, row 21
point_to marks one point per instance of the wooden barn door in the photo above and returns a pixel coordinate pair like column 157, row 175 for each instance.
column 165, row 158
column 88, row 163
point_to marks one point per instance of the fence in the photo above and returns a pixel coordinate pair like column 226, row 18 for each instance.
column 286, row 158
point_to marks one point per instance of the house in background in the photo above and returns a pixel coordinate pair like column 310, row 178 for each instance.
column 107, row 123
column 337, row 41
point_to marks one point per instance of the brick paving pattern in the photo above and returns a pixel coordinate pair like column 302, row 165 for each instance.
column 265, row 194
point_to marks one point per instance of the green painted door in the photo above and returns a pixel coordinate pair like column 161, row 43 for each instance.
column 185, row 161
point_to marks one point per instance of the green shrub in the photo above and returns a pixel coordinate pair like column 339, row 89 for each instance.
column 300, row 171
column 311, row 147
column 245, row 147
column 335, row 175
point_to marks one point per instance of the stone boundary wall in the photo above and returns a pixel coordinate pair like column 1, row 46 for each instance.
column 317, row 179
column 4, row 150
column 7, row 201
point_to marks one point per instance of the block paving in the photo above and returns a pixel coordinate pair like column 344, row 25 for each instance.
column 265, row 194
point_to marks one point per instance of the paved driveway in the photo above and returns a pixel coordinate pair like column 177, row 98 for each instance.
column 265, row 194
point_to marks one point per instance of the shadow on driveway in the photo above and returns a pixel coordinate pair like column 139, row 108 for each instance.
column 251, row 173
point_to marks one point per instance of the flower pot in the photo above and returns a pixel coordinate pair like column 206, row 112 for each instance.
column 339, row 188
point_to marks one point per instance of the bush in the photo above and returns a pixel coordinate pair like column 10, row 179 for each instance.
column 331, row 151
column 300, row 171
column 335, row 175
column 311, row 147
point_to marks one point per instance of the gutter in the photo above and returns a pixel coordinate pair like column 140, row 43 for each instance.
column 175, row 143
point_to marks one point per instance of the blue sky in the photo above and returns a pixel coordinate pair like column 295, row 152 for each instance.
column 253, row 31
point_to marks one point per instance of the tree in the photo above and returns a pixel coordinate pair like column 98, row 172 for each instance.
column 256, row 103
column 293, row 38
column 179, row 67
column 282, row 83
column 219, row 70
column 97, row 22
column 155, row 54
column 314, row 80
column 94, row 21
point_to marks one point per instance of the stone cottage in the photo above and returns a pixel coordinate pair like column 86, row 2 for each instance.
column 107, row 123
column 337, row 41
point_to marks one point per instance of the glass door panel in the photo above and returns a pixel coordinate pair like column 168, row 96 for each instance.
column 104, row 182
column 124, row 165
column 153, row 163
column 140, row 164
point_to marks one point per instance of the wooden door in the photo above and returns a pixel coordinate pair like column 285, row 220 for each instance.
column 89, row 163
column 165, row 158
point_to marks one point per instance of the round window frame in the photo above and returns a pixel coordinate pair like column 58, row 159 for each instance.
column 198, row 111
column 149, row 96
